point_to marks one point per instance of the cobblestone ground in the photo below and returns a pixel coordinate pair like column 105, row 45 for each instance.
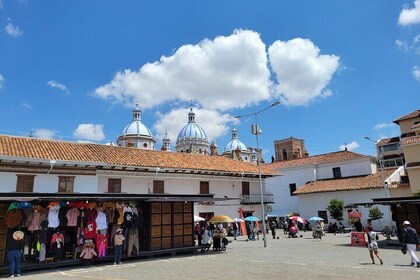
column 283, row 258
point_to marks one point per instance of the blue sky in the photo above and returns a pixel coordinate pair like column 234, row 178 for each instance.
column 73, row 70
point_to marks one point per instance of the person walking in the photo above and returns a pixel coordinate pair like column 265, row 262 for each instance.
column 15, row 246
column 118, row 246
column 273, row 227
column 235, row 230
column 411, row 239
column 373, row 246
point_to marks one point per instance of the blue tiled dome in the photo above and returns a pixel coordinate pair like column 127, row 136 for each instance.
column 136, row 127
column 235, row 143
column 191, row 130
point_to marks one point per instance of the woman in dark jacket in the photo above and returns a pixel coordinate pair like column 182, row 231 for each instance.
column 15, row 244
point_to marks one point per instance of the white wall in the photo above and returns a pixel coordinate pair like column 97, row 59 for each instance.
column 284, row 203
column 220, row 187
column 310, row 204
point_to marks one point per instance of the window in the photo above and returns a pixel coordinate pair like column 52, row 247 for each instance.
column 284, row 154
column 25, row 183
column 292, row 188
column 245, row 188
column 323, row 214
column 204, row 188
column 145, row 145
column 336, row 172
column 65, row 184
column 158, row 187
column 114, row 185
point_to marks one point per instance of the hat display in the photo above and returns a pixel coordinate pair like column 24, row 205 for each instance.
column 18, row 235
column 406, row 223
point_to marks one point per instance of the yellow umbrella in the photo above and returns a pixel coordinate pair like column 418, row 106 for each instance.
column 221, row 219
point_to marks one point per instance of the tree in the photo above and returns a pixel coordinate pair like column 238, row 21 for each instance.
column 336, row 209
column 375, row 213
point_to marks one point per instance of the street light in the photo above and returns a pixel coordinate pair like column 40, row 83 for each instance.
column 256, row 131
column 381, row 166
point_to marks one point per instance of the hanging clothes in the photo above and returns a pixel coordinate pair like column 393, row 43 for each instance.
column 120, row 210
column 88, row 250
column 34, row 221
column 102, row 244
column 91, row 214
column 82, row 219
column 101, row 222
column 110, row 215
column 13, row 218
column 72, row 215
column 57, row 246
column 133, row 241
column 62, row 216
column 89, row 232
column 53, row 220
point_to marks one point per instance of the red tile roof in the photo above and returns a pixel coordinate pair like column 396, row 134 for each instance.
column 412, row 115
column 386, row 141
column 374, row 181
column 11, row 146
column 410, row 140
column 317, row 159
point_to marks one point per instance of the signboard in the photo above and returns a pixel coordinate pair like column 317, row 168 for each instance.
column 358, row 239
column 354, row 214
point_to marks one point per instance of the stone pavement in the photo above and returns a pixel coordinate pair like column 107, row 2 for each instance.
column 283, row 258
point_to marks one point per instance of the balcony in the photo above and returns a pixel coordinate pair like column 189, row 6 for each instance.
column 256, row 199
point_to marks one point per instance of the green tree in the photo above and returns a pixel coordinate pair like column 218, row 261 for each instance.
column 376, row 214
column 336, row 209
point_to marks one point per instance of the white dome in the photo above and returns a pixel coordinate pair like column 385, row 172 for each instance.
column 136, row 134
column 136, row 128
column 192, row 138
column 235, row 143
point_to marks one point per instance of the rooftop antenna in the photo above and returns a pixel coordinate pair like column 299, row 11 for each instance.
column 345, row 146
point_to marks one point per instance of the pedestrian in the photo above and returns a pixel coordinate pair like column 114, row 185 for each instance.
column 368, row 228
column 358, row 225
column 118, row 246
column 273, row 226
column 15, row 245
column 206, row 240
column 285, row 227
column 411, row 239
column 373, row 246
column 235, row 230
column 318, row 231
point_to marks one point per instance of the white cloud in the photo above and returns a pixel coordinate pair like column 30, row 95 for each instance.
column 213, row 123
column 350, row 147
column 410, row 16
column 380, row 126
column 414, row 46
column 301, row 71
column 44, row 133
column 26, row 105
column 89, row 131
column 1, row 81
column 224, row 73
column 13, row 30
column 416, row 72
column 59, row 86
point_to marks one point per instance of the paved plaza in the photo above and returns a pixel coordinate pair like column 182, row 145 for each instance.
column 283, row 258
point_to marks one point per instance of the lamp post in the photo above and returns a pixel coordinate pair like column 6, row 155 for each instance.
column 256, row 131
column 381, row 167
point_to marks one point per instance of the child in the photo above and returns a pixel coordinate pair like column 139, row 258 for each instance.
column 118, row 246
column 88, row 251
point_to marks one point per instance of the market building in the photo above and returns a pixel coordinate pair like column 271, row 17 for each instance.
column 164, row 189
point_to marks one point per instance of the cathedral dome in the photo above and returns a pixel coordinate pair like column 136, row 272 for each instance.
column 192, row 138
column 136, row 134
column 235, row 143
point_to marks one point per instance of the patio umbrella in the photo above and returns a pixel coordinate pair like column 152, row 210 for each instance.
column 238, row 220
column 252, row 219
column 315, row 218
column 221, row 219
column 298, row 219
column 198, row 218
